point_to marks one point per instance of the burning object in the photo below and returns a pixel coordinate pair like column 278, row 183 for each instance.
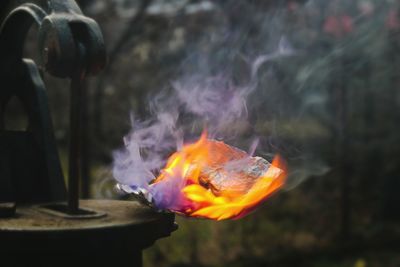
column 210, row 179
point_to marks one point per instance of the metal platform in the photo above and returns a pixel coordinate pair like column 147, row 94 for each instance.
column 34, row 236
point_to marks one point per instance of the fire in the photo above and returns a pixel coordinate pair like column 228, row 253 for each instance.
column 217, row 181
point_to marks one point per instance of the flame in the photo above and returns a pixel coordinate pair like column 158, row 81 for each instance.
column 196, row 199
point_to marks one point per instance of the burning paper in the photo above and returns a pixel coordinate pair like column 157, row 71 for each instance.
column 210, row 179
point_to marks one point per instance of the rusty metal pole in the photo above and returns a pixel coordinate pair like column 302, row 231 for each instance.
column 86, row 144
column 75, row 143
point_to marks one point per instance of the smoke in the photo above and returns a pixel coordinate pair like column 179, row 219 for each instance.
column 180, row 112
column 260, row 78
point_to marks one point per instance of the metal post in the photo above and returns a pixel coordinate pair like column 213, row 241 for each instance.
column 75, row 143
column 74, row 148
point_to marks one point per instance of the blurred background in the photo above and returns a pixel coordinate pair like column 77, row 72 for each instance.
column 331, row 109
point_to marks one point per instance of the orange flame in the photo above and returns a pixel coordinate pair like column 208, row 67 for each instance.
column 199, row 201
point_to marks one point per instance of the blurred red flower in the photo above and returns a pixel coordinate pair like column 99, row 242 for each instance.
column 338, row 26
column 392, row 20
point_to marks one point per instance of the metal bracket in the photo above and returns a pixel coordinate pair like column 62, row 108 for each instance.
column 30, row 169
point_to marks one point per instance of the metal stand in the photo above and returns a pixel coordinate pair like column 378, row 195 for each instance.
column 39, row 237
column 99, row 232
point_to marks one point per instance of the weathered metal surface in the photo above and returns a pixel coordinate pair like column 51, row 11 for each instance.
column 114, row 239
column 61, row 25
column 62, row 210
column 138, row 221
column 102, row 232
column 68, row 41
column 7, row 209
column 30, row 169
